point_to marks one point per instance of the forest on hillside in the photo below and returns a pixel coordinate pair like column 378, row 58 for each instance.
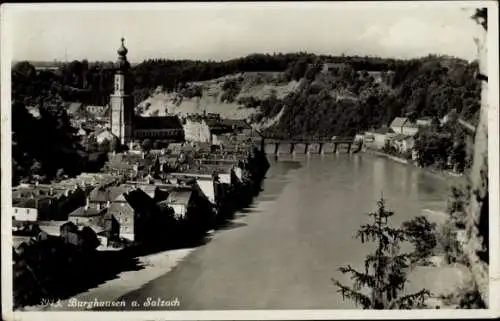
column 349, row 101
column 342, row 102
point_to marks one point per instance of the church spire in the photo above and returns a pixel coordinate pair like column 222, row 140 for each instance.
column 122, row 64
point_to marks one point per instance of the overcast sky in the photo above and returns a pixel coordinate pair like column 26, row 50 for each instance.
column 224, row 30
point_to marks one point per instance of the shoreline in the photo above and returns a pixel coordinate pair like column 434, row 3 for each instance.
column 153, row 266
column 449, row 176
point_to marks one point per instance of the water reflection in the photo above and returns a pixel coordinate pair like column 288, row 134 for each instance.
column 414, row 176
column 357, row 163
column 345, row 181
column 379, row 177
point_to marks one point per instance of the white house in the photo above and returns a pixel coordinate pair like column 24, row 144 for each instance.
column 181, row 201
column 402, row 125
column 377, row 138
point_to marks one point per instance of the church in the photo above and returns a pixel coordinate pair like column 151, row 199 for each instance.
column 125, row 125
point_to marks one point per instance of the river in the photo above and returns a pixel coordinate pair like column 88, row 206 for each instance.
column 282, row 252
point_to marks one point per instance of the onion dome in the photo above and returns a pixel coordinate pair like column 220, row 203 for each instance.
column 122, row 51
column 122, row 63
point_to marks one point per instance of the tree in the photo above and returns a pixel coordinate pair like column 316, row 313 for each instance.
column 481, row 17
column 422, row 235
column 385, row 270
column 37, row 172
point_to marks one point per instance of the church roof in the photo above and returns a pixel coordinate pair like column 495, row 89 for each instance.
column 160, row 122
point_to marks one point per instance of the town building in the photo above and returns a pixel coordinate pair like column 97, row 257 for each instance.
column 98, row 112
column 402, row 125
column 378, row 138
column 102, row 196
column 205, row 181
column 213, row 130
column 181, row 201
column 32, row 209
column 45, row 202
column 87, row 216
column 101, row 221
column 165, row 128
column 402, row 143
column 195, row 129
column 188, row 204
column 124, row 124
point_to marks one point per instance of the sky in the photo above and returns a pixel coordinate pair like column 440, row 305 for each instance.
column 221, row 31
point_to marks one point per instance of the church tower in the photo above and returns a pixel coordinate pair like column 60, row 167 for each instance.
column 121, row 102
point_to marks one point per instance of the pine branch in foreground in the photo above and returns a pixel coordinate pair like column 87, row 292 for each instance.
column 385, row 273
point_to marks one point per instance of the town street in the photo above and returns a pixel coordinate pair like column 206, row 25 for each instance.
column 282, row 252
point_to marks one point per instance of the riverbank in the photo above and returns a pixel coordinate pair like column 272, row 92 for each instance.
column 152, row 266
column 451, row 177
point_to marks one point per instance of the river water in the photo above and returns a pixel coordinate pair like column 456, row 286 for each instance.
column 282, row 252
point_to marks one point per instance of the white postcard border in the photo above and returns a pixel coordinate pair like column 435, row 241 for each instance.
column 493, row 145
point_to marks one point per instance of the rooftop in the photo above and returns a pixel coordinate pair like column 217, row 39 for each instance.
column 180, row 196
column 29, row 202
column 104, row 194
column 399, row 121
column 87, row 212
column 223, row 125
column 383, row 130
column 160, row 122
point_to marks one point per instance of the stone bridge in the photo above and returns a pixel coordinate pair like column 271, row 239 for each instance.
column 306, row 145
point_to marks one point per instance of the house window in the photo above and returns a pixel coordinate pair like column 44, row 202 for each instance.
column 15, row 210
column 27, row 211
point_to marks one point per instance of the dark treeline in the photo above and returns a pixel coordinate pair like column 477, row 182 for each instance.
column 174, row 73
column 92, row 82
